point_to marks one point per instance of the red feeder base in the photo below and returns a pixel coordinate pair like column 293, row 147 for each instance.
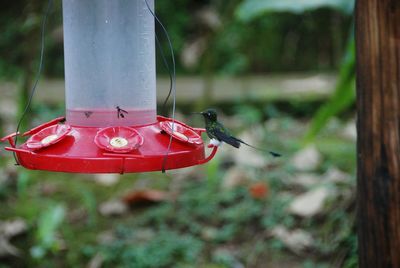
column 64, row 148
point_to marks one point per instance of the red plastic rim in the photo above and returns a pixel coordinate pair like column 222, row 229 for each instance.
column 118, row 139
column 89, row 150
column 181, row 132
column 48, row 136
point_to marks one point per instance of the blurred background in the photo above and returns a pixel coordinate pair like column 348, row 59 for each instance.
column 280, row 73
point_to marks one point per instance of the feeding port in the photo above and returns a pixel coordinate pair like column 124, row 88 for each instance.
column 111, row 124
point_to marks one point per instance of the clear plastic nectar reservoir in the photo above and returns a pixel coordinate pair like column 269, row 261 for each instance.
column 109, row 62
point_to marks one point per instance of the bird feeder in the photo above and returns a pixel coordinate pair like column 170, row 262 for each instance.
column 111, row 124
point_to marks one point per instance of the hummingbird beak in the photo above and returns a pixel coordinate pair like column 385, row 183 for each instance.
column 197, row 113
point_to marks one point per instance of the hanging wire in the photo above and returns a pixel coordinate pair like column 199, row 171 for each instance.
column 172, row 76
column 173, row 82
column 168, row 69
column 38, row 74
column 161, row 50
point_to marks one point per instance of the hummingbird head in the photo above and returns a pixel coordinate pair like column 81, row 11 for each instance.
column 210, row 114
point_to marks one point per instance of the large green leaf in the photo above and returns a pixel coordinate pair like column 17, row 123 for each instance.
column 343, row 97
column 49, row 222
column 250, row 9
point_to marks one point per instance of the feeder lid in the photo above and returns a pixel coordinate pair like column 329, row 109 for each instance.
column 181, row 132
column 48, row 136
column 118, row 139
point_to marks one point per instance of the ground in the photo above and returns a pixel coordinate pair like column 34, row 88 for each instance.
column 244, row 209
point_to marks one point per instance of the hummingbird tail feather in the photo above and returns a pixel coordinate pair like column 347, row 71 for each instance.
column 270, row 152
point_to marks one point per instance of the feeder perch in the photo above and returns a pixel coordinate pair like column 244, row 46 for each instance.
column 111, row 124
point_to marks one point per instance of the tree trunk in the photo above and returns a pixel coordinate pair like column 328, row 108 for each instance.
column 378, row 93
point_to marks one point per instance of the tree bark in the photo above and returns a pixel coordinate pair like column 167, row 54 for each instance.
column 378, row 146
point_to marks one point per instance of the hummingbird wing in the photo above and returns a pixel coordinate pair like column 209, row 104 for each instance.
column 222, row 134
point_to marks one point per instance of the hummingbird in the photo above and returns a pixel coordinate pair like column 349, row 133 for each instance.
column 217, row 132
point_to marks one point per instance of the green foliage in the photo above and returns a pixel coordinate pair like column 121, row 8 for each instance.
column 288, row 42
column 343, row 97
column 249, row 114
column 48, row 224
column 213, row 173
column 20, row 23
column 204, row 224
column 201, row 214
column 224, row 258
column 276, row 214
column 166, row 249
column 90, row 204
column 23, row 182
column 251, row 9
column 352, row 260
column 344, row 94
column 204, row 217
column 312, row 264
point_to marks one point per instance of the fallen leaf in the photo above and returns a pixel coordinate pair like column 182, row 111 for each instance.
column 96, row 262
column 113, row 208
column 305, row 179
column 349, row 131
column 6, row 249
column 106, row 237
column 209, row 233
column 106, row 179
column 297, row 240
column 307, row 159
column 309, row 203
column 145, row 197
column 234, row 177
column 259, row 190
column 336, row 176
column 9, row 229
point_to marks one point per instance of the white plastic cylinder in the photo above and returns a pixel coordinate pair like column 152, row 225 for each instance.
column 109, row 62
